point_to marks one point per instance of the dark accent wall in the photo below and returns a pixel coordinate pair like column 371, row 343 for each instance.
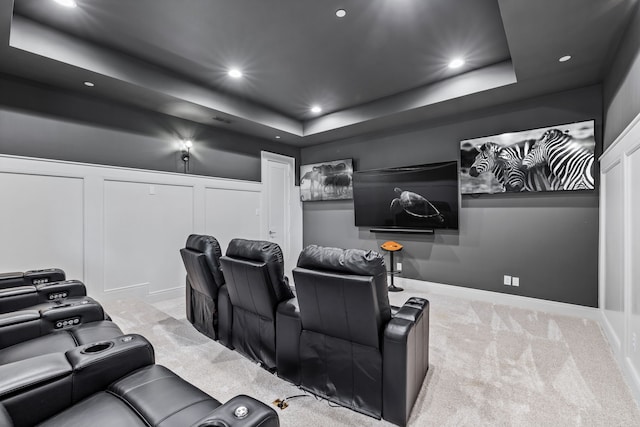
column 622, row 82
column 40, row 121
column 549, row 240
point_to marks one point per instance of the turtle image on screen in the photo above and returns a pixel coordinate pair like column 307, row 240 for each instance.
column 414, row 204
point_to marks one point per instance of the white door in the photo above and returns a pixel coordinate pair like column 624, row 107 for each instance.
column 277, row 202
column 278, row 185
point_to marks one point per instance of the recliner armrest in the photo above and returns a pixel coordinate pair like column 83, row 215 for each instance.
column 71, row 312
column 44, row 318
column 45, row 275
column 19, row 297
column 53, row 291
column 98, row 364
column 405, row 359
column 242, row 411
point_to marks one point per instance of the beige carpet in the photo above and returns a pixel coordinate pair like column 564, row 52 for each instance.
column 490, row 365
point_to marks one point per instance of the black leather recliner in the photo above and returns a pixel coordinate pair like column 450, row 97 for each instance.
column 21, row 290
column 342, row 341
column 33, row 332
column 114, row 383
column 254, row 273
column 31, row 277
column 205, row 281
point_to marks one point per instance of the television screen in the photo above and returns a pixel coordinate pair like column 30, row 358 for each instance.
column 411, row 197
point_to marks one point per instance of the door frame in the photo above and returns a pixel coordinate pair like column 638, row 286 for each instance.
column 290, row 162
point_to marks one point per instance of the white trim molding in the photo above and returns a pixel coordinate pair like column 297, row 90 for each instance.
column 619, row 273
column 519, row 301
column 132, row 222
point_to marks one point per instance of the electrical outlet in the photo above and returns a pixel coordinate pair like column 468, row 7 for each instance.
column 152, row 190
column 399, row 266
column 515, row 281
column 507, row 280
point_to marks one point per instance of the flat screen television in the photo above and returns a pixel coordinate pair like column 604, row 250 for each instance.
column 420, row 197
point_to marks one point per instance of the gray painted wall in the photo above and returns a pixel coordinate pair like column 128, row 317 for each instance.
column 549, row 240
column 622, row 83
column 39, row 121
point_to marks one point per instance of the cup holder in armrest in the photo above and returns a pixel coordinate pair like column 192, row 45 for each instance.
column 97, row 347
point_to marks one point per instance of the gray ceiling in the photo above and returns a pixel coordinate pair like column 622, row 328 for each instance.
column 384, row 64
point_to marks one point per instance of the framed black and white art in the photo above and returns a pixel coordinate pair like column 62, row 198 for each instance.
column 327, row 181
column 554, row 158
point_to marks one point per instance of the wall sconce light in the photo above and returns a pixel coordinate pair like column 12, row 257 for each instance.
column 185, row 152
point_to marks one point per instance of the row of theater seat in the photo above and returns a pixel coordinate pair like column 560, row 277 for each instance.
column 337, row 336
column 64, row 363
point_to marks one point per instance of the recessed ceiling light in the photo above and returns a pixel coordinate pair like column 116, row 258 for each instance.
column 235, row 73
column 67, row 3
column 565, row 58
column 89, row 84
column 316, row 109
column 456, row 63
column 341, row 13
column 277, row 136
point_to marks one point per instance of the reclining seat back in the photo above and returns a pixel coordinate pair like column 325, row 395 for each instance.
column 201, row 257
column 344, row 308
column 254, row 273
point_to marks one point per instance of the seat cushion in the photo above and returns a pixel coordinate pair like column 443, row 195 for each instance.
column 60, row 341
column 151, row 396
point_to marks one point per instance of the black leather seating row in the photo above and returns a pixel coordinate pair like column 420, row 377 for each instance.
column 20, row 290
column 339, row 338
column 57, row 370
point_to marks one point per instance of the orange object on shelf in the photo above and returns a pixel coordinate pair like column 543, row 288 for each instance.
column 391, row 246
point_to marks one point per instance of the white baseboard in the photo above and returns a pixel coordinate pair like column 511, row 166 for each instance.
column 136, row 291
column 500, row 298
column 142, row 292
column 177, row 292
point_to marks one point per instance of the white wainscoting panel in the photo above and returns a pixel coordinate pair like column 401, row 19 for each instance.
column 613, row 302
column 117, row 229
column 620, row 251
column 145, row 226
column 232, row 214
column 41, row 222
column 633, row 233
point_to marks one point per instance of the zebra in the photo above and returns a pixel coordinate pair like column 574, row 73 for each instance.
column 505, row 164
column 571, row 163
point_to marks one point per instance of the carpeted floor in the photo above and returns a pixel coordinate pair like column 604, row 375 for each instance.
column 490, row 365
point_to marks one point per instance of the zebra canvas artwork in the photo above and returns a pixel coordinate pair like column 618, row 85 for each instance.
column 554, row 158
column 327, row 181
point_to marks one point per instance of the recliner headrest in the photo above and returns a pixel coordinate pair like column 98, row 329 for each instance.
column 209, row 246
column 267, row 252
column 255, row 250
column 351, row 261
